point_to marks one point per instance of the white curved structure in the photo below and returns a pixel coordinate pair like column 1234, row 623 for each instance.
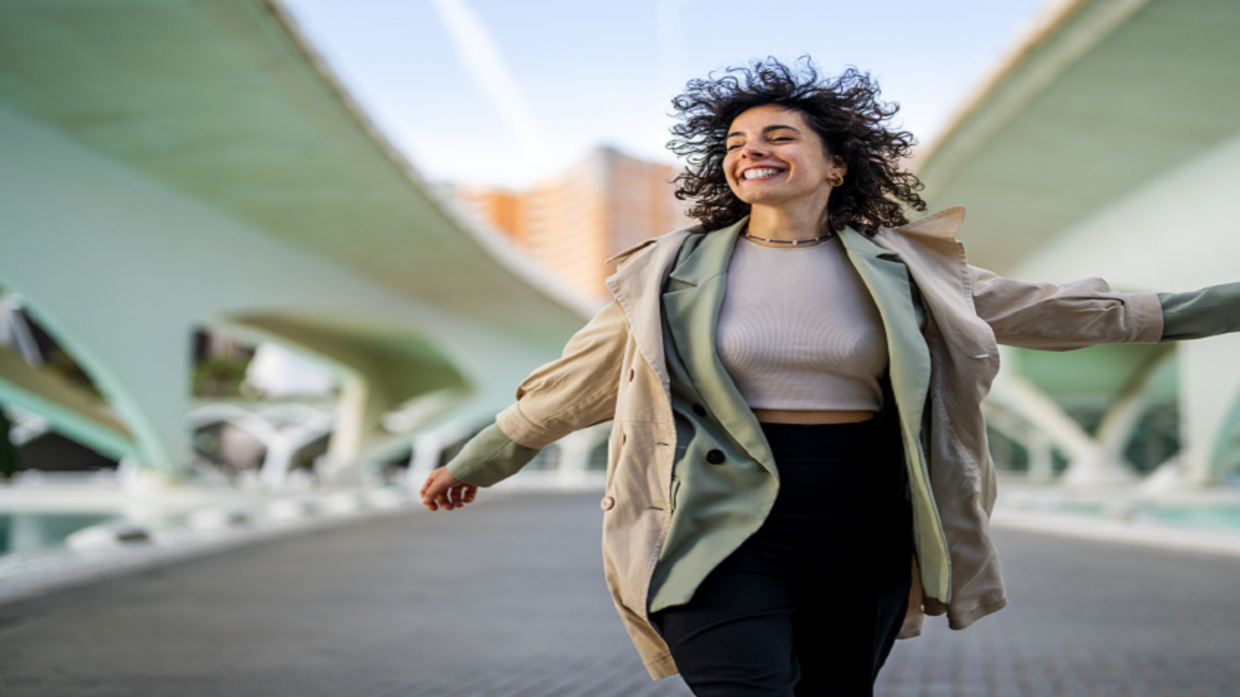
column 171, row 165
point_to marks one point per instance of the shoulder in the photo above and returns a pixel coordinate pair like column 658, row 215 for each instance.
column 673, row 239
column 936, row 260
column 643, row 267
column 927, row 241
column 941, row 226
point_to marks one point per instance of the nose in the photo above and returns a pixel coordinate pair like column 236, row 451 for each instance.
column 752, row 150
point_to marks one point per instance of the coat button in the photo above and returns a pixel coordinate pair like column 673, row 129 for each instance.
column 699, row 410
column 715, row 457
column 631, row 374
column 607, row 503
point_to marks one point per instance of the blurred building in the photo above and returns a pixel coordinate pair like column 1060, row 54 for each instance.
column 497, row 207
column 573, row 222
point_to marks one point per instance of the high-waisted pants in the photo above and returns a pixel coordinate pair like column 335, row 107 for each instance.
column 811, row 603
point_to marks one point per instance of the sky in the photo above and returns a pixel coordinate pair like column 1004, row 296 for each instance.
column 507, row 92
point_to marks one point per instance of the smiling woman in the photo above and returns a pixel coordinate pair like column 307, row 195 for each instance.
column 798, row 469
column 843, row 116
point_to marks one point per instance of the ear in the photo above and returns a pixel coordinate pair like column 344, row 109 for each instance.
column 840, row 163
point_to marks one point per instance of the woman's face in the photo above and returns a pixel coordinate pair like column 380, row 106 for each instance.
column 774, row 158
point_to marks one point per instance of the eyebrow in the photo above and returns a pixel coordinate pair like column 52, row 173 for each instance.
column 766, row 130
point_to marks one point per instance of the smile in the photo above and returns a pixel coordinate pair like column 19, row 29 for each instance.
column 759, row 173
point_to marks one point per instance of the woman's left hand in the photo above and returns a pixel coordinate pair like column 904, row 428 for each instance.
column 442, row 490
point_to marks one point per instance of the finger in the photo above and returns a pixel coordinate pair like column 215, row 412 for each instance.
column 432, row 491
column 430, row 480
column 429, row 502
column 444, row 500
column 469, row 491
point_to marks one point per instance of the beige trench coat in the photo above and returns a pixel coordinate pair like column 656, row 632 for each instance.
column 615, row 369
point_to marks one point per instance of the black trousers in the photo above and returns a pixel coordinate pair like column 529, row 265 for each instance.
column 811, row 603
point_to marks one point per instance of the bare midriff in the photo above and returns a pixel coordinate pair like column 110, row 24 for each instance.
column 809, row 416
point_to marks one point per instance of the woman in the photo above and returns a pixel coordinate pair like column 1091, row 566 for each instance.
column 795, row 389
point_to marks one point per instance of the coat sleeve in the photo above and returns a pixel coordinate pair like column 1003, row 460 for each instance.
column 1201, row 313
column 1054, row 317
column 575, row 391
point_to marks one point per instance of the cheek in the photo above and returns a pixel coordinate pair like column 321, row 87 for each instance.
column 727, row 172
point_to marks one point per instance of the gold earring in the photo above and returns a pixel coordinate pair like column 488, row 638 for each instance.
column 837, row 182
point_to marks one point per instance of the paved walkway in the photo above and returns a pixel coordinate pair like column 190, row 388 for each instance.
column 507, row 599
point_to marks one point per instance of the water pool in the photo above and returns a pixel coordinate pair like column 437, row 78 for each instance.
column 1214, row 516
column 23, row 532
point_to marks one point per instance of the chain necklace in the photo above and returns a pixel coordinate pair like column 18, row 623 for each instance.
column 791, row 243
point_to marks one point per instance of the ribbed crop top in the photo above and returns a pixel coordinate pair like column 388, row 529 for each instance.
column 799, row 330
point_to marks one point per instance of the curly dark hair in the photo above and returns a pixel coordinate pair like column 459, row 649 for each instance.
column 844, row 111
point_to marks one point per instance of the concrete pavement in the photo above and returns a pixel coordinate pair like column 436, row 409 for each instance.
column 507, row 599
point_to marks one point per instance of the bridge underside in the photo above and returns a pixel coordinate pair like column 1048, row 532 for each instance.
column 170, row 166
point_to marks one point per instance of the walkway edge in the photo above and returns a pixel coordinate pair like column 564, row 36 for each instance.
column 1122, row 531
column 28, row 576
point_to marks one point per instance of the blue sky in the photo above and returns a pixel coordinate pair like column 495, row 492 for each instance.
column 508, row 91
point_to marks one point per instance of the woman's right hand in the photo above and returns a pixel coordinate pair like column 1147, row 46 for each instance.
column 442, row 490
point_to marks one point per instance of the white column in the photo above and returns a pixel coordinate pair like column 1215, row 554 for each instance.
column 1087, row 461
column 1209, row 387
column 574, row 454
column 1041, row 461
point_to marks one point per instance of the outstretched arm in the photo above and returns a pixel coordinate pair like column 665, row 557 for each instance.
column 1075, row 315
column 575, row 391
column 1055, row 317
column 487, row 458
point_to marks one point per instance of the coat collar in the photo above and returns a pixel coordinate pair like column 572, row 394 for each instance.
column 709, row 257
column 635, row 286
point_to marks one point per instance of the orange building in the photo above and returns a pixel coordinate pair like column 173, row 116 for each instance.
column 573, row 222
column 498, row 207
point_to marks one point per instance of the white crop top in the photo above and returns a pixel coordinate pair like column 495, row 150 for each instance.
column 799, row 330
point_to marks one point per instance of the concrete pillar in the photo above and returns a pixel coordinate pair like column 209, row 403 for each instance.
column 353, row 417
column 574, row 452
column 1086, row 458
column 575, row 449
column 1041, row 460
column 1209, row 387
column 1125, row 412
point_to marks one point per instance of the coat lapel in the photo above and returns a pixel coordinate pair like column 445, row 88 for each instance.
column 631, row 287
column 887, row 279
column 691, row 305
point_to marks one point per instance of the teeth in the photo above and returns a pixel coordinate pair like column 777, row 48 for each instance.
column 756, row 173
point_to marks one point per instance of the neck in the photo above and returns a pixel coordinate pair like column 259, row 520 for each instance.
column 788, row 222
